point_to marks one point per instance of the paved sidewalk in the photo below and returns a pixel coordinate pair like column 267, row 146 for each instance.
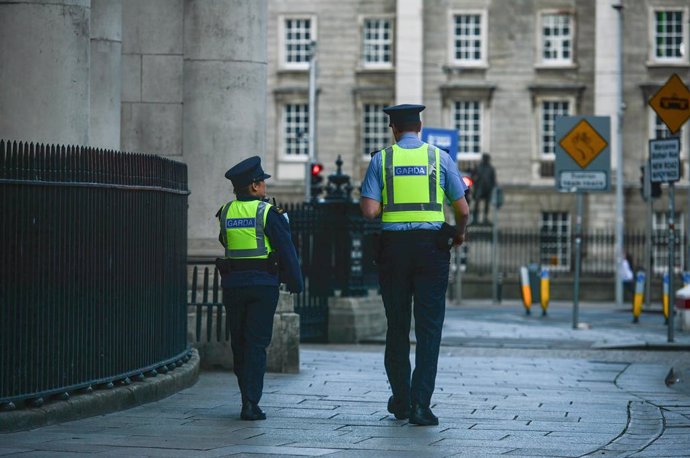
column 601, row 325
column 494, row 397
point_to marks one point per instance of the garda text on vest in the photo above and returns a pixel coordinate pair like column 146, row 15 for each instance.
column 240, row 223
column 417, row 170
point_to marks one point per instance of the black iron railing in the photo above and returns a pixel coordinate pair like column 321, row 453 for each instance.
column 93, row 268
column 518, row 247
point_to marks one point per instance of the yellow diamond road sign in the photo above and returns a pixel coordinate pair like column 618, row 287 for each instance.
column 583, row 143
column 672, row 103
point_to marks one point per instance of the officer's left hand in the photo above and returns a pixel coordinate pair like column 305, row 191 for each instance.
column 459, row 239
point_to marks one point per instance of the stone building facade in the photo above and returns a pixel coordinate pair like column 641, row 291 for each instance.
column 498, row 71
column 210, row 83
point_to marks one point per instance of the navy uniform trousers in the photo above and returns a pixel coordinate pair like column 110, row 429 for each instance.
column 250, row 313
column 412, row 266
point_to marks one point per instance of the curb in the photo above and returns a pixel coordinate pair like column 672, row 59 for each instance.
column 104, row 401
column 646, row 346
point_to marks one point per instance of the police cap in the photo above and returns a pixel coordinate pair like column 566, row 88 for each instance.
column 246, row 172
column 405, row 113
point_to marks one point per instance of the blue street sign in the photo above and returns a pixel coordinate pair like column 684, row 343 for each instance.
column 446, row 139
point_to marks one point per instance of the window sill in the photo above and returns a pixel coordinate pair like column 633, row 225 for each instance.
column 661, row 64
column 556, row 66
column 461, row 68
column 375, row 70
column 300, row 159
column 292, row 71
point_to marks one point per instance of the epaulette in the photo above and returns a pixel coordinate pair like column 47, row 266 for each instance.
column 275, row 206
column 220, row 210
column 373, row 153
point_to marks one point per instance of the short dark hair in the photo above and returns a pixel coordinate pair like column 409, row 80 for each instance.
column 243, row 190
column 408, row 126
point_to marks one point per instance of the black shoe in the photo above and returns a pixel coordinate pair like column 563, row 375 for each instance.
column 252, row 412
column 399, row 409
column 422, row 416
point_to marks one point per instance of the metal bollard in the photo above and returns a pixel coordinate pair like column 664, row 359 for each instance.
column 526, row 291
column 544, row 296
column 639, row 295
column 665, row 296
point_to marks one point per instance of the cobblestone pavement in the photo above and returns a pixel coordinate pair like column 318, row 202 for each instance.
column 492, row 398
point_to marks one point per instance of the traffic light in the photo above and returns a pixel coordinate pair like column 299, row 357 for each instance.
column 316, row 179
column 655, row 188
column 468, row 182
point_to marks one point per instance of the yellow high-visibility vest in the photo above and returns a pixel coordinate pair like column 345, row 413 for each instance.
column 411, row 185
column 243, row 223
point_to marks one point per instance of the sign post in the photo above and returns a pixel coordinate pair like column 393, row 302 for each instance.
column 664, row 166
column 672, row 104
column 583, row 164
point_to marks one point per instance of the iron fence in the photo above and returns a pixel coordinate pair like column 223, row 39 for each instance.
column 93, row 271
column 518, row 247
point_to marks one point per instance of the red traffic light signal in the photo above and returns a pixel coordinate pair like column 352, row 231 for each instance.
column 468, row 181
column 316, row 168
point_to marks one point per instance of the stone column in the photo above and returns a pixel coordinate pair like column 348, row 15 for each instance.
column 409, row 62
column 224, row 117
column 106, row 72
column 44, row 70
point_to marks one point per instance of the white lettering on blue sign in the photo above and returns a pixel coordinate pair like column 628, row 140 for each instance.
column 414, row 170
column 239, row 223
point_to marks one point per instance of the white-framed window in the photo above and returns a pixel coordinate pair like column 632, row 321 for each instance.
column 295, row 131
column 375, row 131
column 660, row 242
column 377, row 42
column 467, row 119
column 548, row 110
column 297, row 33
column 555, row 240
column 668, row 35
column 468, row 38
column 556, row 38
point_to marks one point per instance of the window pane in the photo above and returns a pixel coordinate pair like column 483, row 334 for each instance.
column 467, row 117
column 296, row 129
column 377, row 41
column 668, row 34
column 556, row 37
column 555, row 240
column 297, row 40
column 660, row 241
column 549, row 111
column 375, row 131
column 468, row 37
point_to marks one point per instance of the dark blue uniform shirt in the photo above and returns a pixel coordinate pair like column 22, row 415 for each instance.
column 278, row 232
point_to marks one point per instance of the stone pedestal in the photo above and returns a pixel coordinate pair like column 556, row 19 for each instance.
column 353, row 319
column 282, row 354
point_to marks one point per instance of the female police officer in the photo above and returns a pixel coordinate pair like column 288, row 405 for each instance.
column 406, row 182
column 258, row 253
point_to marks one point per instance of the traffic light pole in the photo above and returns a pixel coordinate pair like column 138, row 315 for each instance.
column 647, row 194
column 312, row 122
column 619, row 158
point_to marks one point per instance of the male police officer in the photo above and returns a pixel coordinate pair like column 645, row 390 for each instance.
column 258, row 254
column 406, row 182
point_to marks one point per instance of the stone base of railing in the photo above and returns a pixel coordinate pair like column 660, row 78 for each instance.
column 282, row 354
column 354, row 319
